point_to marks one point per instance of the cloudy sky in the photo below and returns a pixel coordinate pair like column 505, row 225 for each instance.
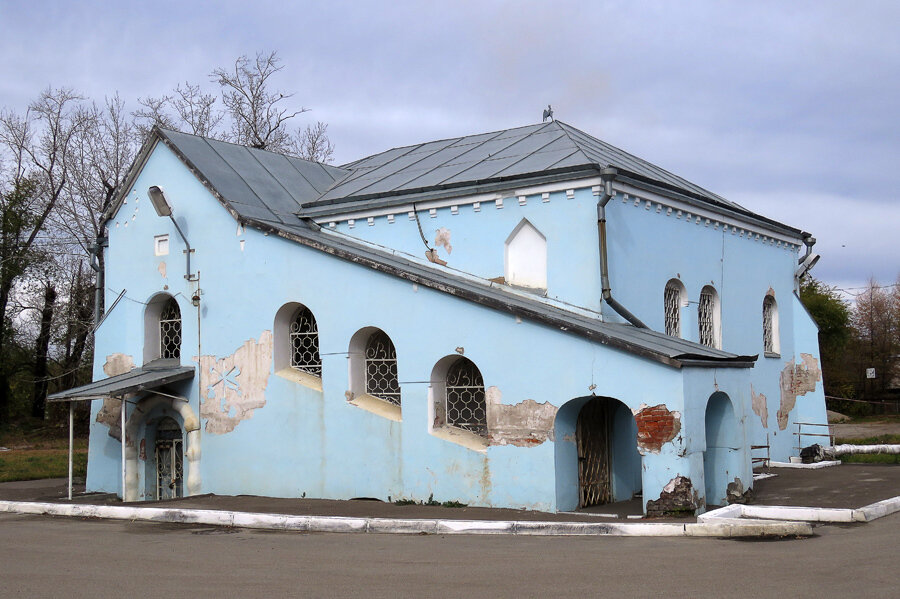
column 789, row 108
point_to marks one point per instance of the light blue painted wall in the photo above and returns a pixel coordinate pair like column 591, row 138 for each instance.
column 312, row 442
column 305, row 441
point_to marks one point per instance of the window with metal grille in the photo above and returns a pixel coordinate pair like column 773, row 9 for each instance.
column 672, row 307
column 768, row 314
column 707, row 317
column 305, row 343
column 381, row 368
column 466, row 407
column 170, row 330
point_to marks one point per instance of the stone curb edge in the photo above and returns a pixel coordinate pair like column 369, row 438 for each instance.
column 867, row 513
column 720, row 527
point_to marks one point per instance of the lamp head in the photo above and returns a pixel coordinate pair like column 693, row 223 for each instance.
column 158, row 199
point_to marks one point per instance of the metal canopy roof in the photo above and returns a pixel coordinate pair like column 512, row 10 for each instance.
column 252, row 206
column 517, row 153
column 150, row 376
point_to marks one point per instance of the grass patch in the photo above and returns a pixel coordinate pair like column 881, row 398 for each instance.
column 33, row 464
column 871, row 458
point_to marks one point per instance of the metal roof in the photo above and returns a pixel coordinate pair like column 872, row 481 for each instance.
column 220, row 176
column 519, row 153
column 261, row 184
column 150, row 376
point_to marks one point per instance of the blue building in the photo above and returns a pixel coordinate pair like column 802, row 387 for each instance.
column 528, row 318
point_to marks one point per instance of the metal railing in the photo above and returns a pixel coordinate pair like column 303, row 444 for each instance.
column 800, row 434
column 764, row 460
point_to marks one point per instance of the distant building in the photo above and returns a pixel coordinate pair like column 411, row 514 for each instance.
column 436, row 321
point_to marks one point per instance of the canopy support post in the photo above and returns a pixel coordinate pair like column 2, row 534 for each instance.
column 71, row 442
column 124, row 405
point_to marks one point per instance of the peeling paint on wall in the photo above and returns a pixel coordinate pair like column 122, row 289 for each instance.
column 442, row 238
column 525, row 424
column 110, row 412
column 678, row 497
column 162, row 269
column 235, row 385
column 656, row 426
column 760, row 408
column 797, row 379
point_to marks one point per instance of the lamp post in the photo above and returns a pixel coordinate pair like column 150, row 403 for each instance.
column 163, row 208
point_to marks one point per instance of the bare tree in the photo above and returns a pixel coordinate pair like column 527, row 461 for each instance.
column 313, row 144
column 875, row 321
column 188, row 109
column 37, row 146
column 257, row 114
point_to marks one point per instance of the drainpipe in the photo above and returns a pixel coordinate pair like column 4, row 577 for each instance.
column 96, row 251
column 608, row 175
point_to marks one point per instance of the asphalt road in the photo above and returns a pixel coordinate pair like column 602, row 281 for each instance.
column 50, row 557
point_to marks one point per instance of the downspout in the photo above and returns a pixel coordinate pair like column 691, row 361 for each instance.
column 96, row 251
column 608, row 175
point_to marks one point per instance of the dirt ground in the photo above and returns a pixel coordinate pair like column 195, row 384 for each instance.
column 862, row 430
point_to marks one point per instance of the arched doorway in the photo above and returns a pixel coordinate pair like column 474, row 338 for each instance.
column 607, row 467
column 172, row 449
column 721, row 460
column 169, row 453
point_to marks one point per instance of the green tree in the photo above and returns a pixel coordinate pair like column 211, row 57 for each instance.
column 832, row 315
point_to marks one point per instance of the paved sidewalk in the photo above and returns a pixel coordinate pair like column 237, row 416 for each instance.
column 847, row 486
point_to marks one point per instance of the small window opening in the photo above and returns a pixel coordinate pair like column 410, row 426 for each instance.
column 465, row 401
column 305, row 343
column 708, row 317
column 170, row 331
column 161, row 245
column 673, row 300
column 770, row 325
column 381, row 368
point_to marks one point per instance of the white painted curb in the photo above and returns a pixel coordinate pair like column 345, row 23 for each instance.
column 804, row 514
column 801, row 466
column 721, row 527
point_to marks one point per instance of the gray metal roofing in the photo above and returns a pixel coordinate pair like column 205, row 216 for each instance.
column 263, row 184
column 502, row 155
column 227, row 180
column 150, row 376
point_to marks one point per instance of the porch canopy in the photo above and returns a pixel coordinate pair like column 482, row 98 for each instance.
column 148, row 377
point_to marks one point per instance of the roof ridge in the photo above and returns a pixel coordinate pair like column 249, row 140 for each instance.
column 566, row 127
column 458, row 137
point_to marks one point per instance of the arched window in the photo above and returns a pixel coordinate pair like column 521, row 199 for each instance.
column 170, row 331
column 465, row 399
column 708, row 317
column 770, row 325
column 674, row 298
column 381, row 368
column 305, row 343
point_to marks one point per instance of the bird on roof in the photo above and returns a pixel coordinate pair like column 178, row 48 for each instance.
column 548, row 113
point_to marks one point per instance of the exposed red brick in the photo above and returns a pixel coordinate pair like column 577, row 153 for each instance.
column 656, row 426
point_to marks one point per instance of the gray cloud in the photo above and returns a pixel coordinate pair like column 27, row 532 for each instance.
column 787, row 108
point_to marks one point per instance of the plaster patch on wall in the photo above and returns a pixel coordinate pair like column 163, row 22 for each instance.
column 525, row 424
column 235, row 385
column 678, row 497
column 110, row 413
column 760, row 408
column 797, row 379
column 442, row 238
column 656, row 426
column 162, row 269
